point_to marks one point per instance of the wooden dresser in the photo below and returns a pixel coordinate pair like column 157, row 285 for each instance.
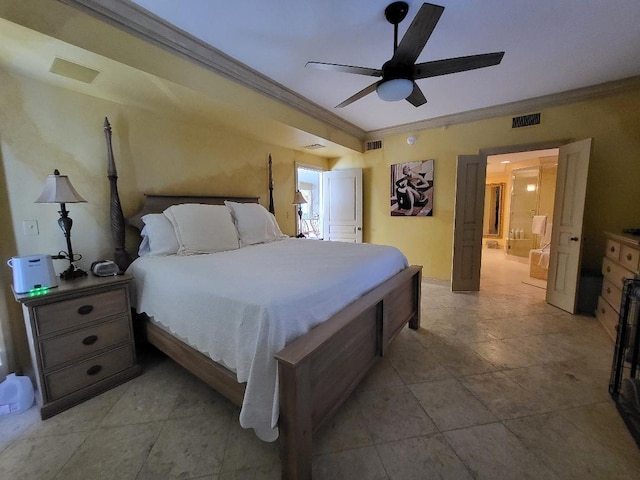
column 81, row 340
column 621, row 261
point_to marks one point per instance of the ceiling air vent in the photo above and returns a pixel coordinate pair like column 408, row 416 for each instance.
column 525, row 120
column 73, row 70
column 373, row 145
column 313, row 146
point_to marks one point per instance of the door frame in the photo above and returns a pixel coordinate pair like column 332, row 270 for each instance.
column 500, row 150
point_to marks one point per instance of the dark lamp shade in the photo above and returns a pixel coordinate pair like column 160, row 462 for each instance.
column 58, row 189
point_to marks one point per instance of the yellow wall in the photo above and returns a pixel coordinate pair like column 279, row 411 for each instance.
column 44, row 127
column 613, row 192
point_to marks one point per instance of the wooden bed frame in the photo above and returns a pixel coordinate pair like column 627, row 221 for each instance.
column 317, row 371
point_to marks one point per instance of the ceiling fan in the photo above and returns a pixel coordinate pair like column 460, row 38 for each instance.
column 400, row 72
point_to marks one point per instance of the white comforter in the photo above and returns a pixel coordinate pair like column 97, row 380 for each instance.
column 241, row 307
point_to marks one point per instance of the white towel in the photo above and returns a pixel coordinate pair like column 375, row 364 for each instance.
column 544, row 260
column 546, row 238
column 539, row 224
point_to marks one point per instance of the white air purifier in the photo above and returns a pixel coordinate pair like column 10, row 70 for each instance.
column 32, row 273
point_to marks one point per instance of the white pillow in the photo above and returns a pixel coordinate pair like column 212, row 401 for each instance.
column 202, row 228
column 158, row 236
column 254, row 223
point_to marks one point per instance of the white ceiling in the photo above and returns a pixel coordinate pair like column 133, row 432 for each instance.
column 551, row 46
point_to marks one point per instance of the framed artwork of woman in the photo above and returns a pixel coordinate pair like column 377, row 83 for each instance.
column 412, row 189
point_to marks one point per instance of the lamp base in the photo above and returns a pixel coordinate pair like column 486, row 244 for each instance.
column 72, row 272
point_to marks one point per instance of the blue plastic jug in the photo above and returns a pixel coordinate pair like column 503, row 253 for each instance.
column 16, row 394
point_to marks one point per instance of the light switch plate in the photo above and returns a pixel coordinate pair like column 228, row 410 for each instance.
column 30, row 227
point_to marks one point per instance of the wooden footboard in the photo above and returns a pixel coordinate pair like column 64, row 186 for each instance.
column 317, row 372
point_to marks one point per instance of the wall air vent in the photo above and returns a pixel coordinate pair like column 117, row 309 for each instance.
column 73, row 70
column 373, row 145
column 525, row 120
column 313, row 146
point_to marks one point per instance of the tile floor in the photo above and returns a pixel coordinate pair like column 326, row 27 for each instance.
column 496, row 385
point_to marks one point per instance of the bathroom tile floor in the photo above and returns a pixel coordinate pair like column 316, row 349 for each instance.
column 496, row 385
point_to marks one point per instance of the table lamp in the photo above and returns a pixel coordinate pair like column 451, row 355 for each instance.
column 298, row 199
column 58, row 189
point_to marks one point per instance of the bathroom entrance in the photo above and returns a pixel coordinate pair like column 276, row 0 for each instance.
column 519, row 202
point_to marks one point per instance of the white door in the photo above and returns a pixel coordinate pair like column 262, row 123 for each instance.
column 467, row 234
column 342, row 194
column 566, row 235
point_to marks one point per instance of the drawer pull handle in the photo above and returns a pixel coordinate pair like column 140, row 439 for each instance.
column 629, row 257
column 602, row 310
column 94, row 370
column 608, row 291
column 608, row 269
column 612, row 249
column 90, row 340
column 85, row 309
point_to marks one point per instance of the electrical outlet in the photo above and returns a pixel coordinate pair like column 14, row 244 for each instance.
column 30, row 227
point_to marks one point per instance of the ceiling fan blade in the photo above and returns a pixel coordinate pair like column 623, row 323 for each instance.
column 334, row 67
column 416, row 98
column 454, row 65
column 417, row 34
column 364, row 92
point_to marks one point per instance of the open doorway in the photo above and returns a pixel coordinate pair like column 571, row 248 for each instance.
column 309, row 216
column 518, row 212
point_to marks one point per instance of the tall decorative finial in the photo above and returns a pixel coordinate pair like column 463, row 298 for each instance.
column 271, row 207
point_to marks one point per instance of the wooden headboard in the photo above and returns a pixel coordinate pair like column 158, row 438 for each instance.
column 153, row 204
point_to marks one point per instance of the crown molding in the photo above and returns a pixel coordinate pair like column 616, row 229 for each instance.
column 141, row 23
column 513, row 108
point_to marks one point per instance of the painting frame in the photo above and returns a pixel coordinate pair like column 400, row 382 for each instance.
column 412, row 187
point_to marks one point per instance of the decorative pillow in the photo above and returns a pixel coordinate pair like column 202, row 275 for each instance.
column 144, row 248
column 202, row 228
column 158, row 237
column 254, row 223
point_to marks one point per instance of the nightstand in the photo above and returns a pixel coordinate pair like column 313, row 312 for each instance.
column 81, row 340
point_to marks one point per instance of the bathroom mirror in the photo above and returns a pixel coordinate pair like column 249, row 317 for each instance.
column 493, row 199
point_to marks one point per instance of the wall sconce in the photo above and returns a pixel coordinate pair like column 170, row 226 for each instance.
column 298, row 199
column 58, row 189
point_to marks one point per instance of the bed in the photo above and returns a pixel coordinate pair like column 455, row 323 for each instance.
column 318, row 366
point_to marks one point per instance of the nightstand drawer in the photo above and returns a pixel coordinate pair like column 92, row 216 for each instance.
column 629, row 257
column 84, row 342
column 73, row 378
column 613, row 249
column 72, row 313
column 612, row 294
column 615, row 273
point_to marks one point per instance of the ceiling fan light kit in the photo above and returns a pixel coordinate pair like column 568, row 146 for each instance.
column 400, row 72
column 395, row 89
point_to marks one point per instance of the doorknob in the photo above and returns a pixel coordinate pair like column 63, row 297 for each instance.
column 574, row 239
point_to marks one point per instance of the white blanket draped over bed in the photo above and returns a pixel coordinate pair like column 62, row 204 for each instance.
column 240, row 307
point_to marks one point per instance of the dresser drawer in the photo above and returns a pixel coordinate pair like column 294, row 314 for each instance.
column 612, row 294
column 57, row 316
column 88, row 372
column 629, row 257
column 608, row 317
column 84, row 342
column 615, row 273
column 613, row 249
